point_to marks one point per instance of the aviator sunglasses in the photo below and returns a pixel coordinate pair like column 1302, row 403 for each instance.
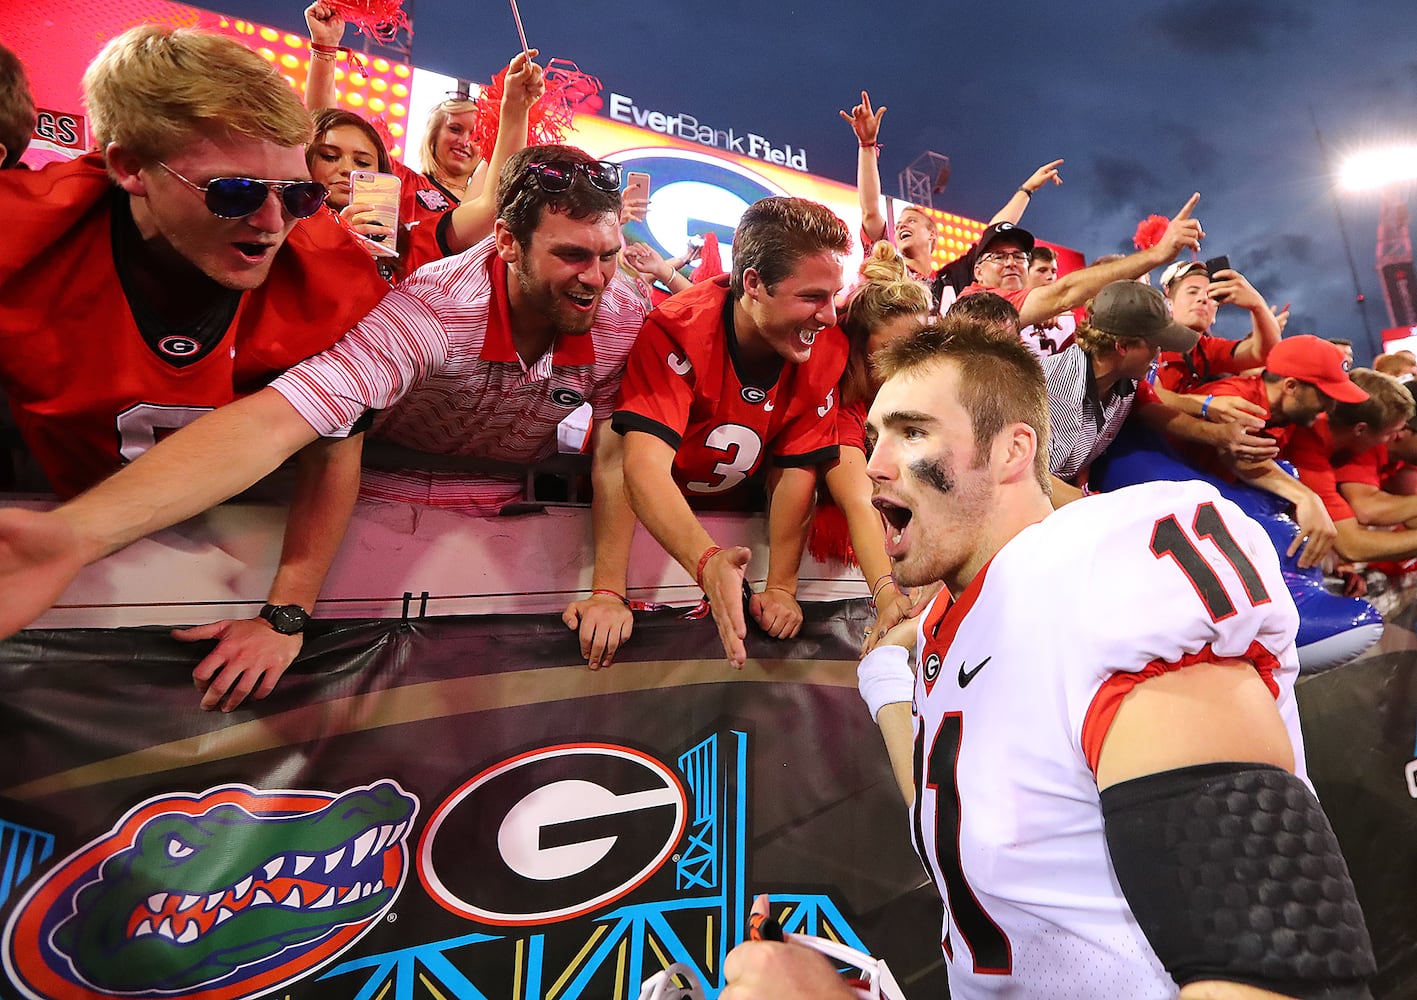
column 554, row 178
column 238, row 197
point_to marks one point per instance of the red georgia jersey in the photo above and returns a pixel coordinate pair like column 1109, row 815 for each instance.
column 682, row 385
column 92, row 387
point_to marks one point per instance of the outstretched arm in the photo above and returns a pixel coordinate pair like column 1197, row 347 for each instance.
column 850, row 489
column 250, row 656
column 791, row 495
column 603, row 620
column 1076, row 287
column 471, row 222
column 1316, row 533
column 867, row 126
column 1379, row 507
column 1018, row 202
column 1229, row 287
column 662, row 509
column 326, row 29
column 201, row 465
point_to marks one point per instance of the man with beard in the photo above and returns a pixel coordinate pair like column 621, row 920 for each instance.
column 479, row 355
column 730, row 377
column 1064, row 772
column 1304, row 378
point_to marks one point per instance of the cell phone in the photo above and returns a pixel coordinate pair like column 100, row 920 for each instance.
column 637, row 183
column 1221, row 263
column 377, row 192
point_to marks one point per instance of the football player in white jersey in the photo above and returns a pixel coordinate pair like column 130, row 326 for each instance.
column 1107, row 787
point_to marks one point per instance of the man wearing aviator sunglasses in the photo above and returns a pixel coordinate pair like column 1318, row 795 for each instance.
column 165, row 276
column 479, row 356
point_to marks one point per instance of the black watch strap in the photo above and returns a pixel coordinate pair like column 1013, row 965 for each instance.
column 287, row 619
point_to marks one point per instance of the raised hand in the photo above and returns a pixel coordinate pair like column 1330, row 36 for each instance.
column 865, row 122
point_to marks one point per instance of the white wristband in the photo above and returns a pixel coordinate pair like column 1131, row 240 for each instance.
column 884, row 677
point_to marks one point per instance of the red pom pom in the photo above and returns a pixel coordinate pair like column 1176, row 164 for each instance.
column 710, row 261
column 379, row 19
column 829, row 539
column 568, row 90
column 1149, row 231
column 381, row 126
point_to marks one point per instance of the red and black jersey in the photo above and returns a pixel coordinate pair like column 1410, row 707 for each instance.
column 683, row 385
column 93, row 377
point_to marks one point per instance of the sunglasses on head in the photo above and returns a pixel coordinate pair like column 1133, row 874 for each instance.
column 555, row 177
column 238, row 197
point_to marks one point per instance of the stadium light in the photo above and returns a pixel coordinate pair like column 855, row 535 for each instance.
column 1377, row 168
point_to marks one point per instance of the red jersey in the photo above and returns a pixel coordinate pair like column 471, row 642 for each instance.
column 1371, row 467
column 91, row 384
column 1311, row 451
column 683, row 386
column 1015, row 298
column 1249, row 387
column 851, row 424
column 1211, row 358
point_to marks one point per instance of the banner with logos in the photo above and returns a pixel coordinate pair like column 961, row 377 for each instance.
column 450, row 808
column 457, row 808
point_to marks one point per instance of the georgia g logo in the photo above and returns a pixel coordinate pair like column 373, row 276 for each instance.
column 930, row 670
column 226, row 894
column 552, row 834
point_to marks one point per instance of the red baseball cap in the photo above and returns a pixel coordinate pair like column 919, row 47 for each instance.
column 1317, row 361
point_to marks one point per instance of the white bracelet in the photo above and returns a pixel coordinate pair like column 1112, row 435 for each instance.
column 884, row 677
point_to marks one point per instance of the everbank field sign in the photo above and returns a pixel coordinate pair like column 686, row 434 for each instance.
column 686, row 126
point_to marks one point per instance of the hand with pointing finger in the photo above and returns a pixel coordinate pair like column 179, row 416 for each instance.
column 1184, row 233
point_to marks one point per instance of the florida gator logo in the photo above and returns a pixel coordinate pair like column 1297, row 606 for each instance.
column 228, row 894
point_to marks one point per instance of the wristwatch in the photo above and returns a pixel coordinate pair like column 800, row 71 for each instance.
column 287, row 619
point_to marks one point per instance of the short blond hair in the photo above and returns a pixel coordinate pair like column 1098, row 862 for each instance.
column 1388, row 401
column 153, row 87
column 1096, row 343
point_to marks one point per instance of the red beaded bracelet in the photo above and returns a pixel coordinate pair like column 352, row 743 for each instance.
column 709, row 553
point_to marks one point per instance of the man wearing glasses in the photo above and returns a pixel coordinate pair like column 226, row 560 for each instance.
column 1002, row 255
column 185, row 265
column 479, row 355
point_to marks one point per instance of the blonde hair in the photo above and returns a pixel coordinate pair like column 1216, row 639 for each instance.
column 1096, row 343
column 1388, row 401
column 886, row 293
column 152, row 87
column 437, row 118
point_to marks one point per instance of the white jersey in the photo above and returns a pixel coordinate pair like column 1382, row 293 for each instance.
column 1045, row 342
column 1012, row 702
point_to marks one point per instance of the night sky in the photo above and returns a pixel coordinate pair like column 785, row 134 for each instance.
column 1147, row 102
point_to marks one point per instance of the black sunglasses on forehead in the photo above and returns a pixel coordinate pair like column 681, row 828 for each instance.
column 238, row 197
column 554, row 177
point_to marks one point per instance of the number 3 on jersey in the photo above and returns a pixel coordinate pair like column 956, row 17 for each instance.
column 142, row 425
column 1168, row 538
column 742, row 447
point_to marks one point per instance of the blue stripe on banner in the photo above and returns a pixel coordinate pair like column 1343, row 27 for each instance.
column 24, row 849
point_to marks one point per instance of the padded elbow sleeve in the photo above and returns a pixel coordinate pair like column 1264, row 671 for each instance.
column 1234, row 874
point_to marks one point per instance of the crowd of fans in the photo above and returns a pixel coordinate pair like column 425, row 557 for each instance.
column 234, row 288
column 230, row 303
